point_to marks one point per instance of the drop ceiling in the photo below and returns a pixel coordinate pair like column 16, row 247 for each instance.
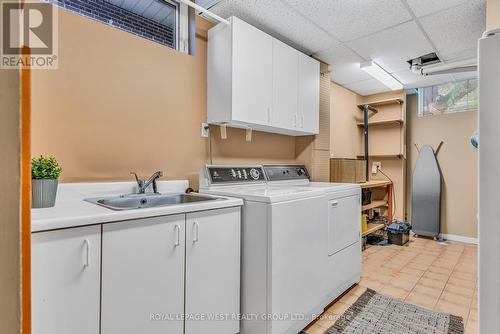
column 344, row 33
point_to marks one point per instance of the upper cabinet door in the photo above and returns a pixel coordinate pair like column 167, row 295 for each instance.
column 252, row 74
column 308, row 94
column 65, row 281
column 213, row 270
column 285, row 85
column 143, row 276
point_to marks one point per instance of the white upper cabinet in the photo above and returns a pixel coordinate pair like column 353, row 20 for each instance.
column 308, row 96
column 252, row 74
column 285, row 85
column 65, row 281
column 256, row 81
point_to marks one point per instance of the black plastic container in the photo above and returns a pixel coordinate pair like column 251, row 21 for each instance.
column 366, row 196
column 398, row 238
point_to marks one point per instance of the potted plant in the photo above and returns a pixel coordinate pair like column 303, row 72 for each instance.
column 45, row 172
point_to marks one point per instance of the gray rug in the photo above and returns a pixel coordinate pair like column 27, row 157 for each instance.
column 374, row 313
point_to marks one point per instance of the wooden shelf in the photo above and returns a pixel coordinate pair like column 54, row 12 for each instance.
column 374, row 204
column 375, row 184
column 388, row 122
column 373, row 228
column 382, row 103
column 382, row 156
column 362, row 107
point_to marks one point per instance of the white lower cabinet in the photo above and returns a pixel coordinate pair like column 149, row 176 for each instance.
column 143, row 276
column 213, row 271
column 65, row 281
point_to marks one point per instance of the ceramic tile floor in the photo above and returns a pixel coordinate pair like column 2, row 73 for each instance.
column 436, row 275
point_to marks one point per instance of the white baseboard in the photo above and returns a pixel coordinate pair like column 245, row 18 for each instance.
column 454, row 237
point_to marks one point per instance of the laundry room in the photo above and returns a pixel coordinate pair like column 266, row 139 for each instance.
column 252, row 167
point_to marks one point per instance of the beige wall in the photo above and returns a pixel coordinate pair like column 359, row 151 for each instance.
column 119, row 103
column 10, row 202
column 457, row 160
column 493, row 14
column 344, row 137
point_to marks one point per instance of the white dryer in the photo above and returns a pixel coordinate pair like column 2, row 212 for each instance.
column 284, row 244
column 343, row 226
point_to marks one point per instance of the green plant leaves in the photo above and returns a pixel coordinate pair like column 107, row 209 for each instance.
column 45, row 168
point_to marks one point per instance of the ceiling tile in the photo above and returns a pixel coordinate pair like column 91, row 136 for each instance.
column 391, row 48
column 461, row 55
column 367, row 87
column 278, row 20
column 456, row 29
column 425, row 7
column 350, row 19
column 412, row 80
column 345, row 64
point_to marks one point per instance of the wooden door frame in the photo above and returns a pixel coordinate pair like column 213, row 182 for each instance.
column 25, row 160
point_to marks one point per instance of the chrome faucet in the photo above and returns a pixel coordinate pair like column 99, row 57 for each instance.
column 144, row 184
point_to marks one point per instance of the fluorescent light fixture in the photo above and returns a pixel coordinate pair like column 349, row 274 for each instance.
column 380, row 74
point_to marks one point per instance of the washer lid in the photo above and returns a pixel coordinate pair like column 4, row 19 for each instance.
column 267, row 194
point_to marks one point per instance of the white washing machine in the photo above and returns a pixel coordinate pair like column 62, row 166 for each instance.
column 292, row 264
column 343, row 227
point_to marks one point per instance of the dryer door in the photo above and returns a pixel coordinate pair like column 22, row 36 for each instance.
column 344, row 223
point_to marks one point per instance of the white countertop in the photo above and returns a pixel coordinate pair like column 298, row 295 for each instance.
column 72, row 211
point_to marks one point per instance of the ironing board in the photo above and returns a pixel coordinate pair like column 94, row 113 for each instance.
column 426, row 194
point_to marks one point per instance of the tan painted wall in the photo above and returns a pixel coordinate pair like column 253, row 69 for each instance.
column 457, row 160
column 344, row 137
column 10, row 202
column 119, row 103
column 493, row 14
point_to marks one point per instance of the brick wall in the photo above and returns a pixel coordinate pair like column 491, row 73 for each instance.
column 120, row 18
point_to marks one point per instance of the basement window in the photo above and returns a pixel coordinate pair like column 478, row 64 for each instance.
column 448, row 98
column 161, row 21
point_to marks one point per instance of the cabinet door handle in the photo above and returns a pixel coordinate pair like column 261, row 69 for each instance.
column 334, row 204
column 177, row 229
column 302, row 121
column 87, row 253
column 295, row 121
column 269, row 114
column 196, row 228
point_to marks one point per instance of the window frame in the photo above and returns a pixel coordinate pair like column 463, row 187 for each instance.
column 421, row 98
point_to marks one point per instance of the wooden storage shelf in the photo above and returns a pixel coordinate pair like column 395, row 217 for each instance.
column 382, row 103
column 383, row 203
column 375, row 204
column 381, row 156
column 376, row 184
column 387, row 122
column 372, row 228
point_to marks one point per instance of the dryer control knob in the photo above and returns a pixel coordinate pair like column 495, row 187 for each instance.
column 255, row 174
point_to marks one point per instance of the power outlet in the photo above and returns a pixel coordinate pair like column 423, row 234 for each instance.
column 376, row 165
column 204, row 130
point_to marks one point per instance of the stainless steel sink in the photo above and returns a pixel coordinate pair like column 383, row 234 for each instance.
column 143, row 201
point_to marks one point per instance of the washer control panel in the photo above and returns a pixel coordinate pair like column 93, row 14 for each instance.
column 286, row 172
column 236, row 174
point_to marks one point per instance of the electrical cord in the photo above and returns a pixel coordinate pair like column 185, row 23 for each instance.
column 209, row 144
column 393, row 192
